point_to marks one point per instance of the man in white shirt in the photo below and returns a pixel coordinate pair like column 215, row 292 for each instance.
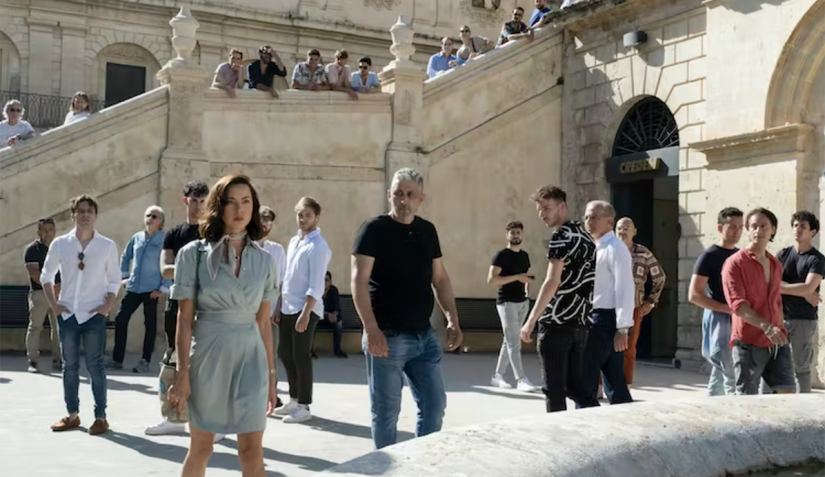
column 90, row 275
column 277, row 251
column 302, row 305
column 613, row 303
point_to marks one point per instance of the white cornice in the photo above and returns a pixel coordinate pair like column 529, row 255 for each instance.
column 787, row 139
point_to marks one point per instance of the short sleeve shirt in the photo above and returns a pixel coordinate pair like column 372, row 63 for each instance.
column 226, row 76
column 795, row 269
column 512, row 263
column 709, row 265
column 36, row 253
column 179, row 236
column 402, row 274
column 7, row 132
column 573, row 302
column 303, row 75
column 332, row 69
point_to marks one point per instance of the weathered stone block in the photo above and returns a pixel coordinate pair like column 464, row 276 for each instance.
column 684, row 94
column 690, row 134
column 696, row 202
column 671, row 76
column 689, row 49
column 697, row 69
column 697, row 25
column 584, row 98
column 676, row 31
column 690, row 180
column 697, row 160
column 691, row 224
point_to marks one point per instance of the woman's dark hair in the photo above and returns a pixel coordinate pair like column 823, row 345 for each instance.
column 212, row 227
column 366, row 60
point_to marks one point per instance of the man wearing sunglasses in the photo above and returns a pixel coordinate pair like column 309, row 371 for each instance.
column 140, row 268
column 90, row 276
column 14, row 128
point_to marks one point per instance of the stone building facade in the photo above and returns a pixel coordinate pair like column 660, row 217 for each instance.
column 63, row 46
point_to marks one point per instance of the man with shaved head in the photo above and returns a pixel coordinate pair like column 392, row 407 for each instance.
column 613, row 300
column 644, row 265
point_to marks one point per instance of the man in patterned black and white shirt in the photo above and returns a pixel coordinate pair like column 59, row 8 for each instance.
column 563, row 304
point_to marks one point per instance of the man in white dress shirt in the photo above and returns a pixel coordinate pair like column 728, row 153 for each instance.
column 277, row 251
column 302, row 305
column 613, row 303
column 90, row 274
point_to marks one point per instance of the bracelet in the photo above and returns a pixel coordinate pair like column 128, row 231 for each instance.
column 273, row 371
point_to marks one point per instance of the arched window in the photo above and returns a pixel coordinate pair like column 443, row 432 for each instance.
column 649, row 125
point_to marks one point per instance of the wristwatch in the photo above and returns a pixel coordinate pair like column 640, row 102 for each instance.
column 623, row 331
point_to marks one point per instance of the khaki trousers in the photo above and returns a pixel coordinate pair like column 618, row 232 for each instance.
column 38, row 310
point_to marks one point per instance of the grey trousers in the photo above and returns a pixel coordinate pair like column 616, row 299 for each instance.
column 512, row 315
column 802, row 335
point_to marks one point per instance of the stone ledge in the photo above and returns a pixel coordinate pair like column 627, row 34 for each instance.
column 789, row 138
column 703, row 437
column 296, row 101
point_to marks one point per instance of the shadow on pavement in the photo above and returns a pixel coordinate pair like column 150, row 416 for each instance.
column 173, row 453
column 349, row 429
column 304, row 462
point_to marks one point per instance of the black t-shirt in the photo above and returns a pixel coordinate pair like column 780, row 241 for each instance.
column 572, row 303
column 180, row 236
column 512, row 263
column 795, row 269
column 36, row 252
column 332, row 301
column 401, row 280
column 709, row 265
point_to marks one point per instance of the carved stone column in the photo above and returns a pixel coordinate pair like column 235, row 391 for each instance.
column 404, row 79
column 184, row 159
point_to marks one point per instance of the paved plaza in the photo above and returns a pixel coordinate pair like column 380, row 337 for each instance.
column 338, row 432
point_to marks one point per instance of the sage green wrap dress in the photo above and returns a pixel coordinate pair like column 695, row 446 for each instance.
column 228, row 369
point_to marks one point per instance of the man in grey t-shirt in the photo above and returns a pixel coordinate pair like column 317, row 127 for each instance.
column 228, row 74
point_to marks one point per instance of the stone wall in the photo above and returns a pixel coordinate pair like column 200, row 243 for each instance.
column 492, row 135
column 704, row 437
column 324, row 145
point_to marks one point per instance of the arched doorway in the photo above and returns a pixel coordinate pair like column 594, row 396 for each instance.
column 644, row 177
column 9, row 65
column 125, row 70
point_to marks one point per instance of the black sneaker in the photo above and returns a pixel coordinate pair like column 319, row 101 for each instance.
column 32, row 366
column 279, row 403
column 314, row 356
column 341, row 354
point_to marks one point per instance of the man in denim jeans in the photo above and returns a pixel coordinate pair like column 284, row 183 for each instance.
column 396, row 264
column 706, row 292
column 90, row 274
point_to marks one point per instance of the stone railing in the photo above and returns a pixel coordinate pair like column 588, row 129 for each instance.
column 705, row 437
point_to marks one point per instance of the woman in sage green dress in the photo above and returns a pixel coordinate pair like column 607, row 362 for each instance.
column 226, row 281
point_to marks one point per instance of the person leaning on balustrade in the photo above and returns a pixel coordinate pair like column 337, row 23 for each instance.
column 81, row 108
column 364, row 80
column 14, row 128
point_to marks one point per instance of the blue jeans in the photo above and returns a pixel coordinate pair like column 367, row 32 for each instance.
column 418, row 356
column 93, row 336
column 716, row 331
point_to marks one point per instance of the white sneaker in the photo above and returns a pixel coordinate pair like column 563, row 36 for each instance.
column 287, row 409
column 525, row 385
column 219, row 437
column 499, row 382
column 165, row 428
column 300, row 414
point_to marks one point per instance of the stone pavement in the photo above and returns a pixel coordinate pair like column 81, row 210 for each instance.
column 339, row 431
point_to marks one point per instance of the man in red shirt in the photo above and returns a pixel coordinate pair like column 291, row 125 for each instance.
column 751, row 279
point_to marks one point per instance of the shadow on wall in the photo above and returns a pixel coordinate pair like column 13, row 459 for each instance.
column 749, row 6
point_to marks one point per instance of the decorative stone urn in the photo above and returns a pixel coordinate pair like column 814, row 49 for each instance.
column 402, row 42
column 184, row 26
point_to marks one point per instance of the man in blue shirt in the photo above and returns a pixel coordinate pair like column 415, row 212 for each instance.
column 443, row 60
column 538, row 14
column 144, row 285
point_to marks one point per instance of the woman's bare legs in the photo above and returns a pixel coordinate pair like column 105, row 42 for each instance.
column 251, row 454
column 200, row 450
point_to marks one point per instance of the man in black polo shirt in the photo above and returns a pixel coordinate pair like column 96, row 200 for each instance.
column 802, row 270
column 38, row 304
column 194, row 196
column 397, row 263
column 262, row 72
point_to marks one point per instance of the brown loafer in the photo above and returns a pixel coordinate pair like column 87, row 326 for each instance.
column 99, row 427
column 66, row 424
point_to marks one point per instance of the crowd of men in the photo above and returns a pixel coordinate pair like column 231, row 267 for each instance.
column 760, row 321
